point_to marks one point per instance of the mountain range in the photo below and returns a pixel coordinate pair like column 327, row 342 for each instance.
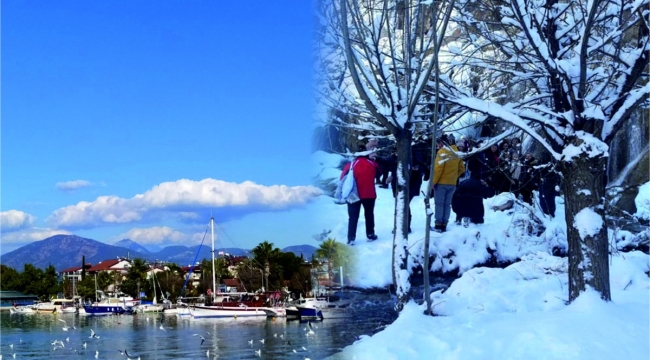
column 64, row 251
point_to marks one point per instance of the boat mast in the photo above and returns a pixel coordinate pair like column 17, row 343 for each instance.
column 214, row 281
column 153, row 280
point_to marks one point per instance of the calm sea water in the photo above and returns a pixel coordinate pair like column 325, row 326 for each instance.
column 32, row 335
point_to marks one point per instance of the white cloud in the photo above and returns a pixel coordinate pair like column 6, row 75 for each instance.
column 27, row 236
column 72, row 185
column 184, row 197
column 155, row 235
column 13, row 220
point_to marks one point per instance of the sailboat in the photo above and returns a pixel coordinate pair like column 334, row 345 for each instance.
column 233, row 305
column 154, row 306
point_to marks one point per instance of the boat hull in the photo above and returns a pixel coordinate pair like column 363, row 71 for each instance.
column 292, row 313
column 206, row 312
column 98, row 310
column 309, row 313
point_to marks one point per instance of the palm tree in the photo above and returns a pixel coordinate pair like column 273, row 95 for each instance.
column 329, row 249
column 264, row 254
column 138, row 272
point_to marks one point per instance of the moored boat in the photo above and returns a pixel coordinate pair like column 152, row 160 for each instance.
column 309, row 312
column 245, row 305
column 22, row 310
column 109, row 305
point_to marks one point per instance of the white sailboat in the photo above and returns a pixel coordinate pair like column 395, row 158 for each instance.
column 234, row 305
column 154, row 306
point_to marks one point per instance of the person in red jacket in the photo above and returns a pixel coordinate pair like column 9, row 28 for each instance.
column 365, row 169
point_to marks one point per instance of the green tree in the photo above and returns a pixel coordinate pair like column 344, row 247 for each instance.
column 336, row 255
column 301, row 280
column 9, row 278
column 265, row 254
column 250, row 274
column 50, row 282
column 290, row 264
column 136, row 278
column 30, row 281
column 171, row 281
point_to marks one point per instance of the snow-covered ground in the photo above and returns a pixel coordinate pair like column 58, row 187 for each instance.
column 518, row 312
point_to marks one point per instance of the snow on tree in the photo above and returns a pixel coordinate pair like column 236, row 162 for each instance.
column 569, row 73
column 378, row 57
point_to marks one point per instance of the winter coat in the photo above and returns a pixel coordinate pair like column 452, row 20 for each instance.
column 468, row 199
column 420, row 153
column 365, row 171
column 448, row 167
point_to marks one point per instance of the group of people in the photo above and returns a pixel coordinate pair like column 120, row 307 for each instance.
column 504, row 168
column 460, row 182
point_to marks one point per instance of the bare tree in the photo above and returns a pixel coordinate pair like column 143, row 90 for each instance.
column 569, row 73
column 388, row 53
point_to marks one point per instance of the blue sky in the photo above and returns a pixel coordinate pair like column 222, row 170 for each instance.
column 139, row 119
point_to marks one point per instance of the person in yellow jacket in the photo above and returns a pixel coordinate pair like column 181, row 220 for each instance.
column 448, row 167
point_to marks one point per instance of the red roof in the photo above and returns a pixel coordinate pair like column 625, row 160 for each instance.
column 231, row 282
column 187, row 268
column 72, row 269
column 104, row 265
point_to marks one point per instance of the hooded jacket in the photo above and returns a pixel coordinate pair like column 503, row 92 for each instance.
column 448, row 167
column 364, row 175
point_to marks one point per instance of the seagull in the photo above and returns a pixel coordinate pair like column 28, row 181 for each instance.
column 161, row 327
column 294, row 350
column 85, row 345
column 11, row 346
column 304, row 348
column 93, row 335
column 275, row 335
column 65, row 326
column 281, row 336
column 250, row 342
column 258, row 352
column 262, row 341
column 202, row 338
column 96, row 354
column 67, row 339
column 207, row 353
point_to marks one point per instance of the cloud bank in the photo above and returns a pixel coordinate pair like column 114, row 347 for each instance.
column 24, row 237
column 183, row 198
column 72, row 185
column 14, row 220
column 155, row 235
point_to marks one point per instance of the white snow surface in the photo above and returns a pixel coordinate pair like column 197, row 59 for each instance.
column 587, row 222
column 516, row 312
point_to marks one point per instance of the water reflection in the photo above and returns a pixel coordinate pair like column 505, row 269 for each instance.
column 32, row 335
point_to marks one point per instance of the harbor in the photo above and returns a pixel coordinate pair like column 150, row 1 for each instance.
column 157, row 336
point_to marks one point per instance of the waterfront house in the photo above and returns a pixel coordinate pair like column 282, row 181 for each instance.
column 9, row 299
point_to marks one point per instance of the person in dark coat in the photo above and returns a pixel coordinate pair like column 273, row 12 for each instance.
column 527, row 178
column 549, row 179
column 385, row 158
column 420, row 153
column 468, row 200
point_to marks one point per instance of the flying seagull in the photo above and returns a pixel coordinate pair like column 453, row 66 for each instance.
column 202, row 338
column 65, row 326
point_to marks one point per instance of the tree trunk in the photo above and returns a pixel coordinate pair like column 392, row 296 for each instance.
column 584, row 189
column 400, row 238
